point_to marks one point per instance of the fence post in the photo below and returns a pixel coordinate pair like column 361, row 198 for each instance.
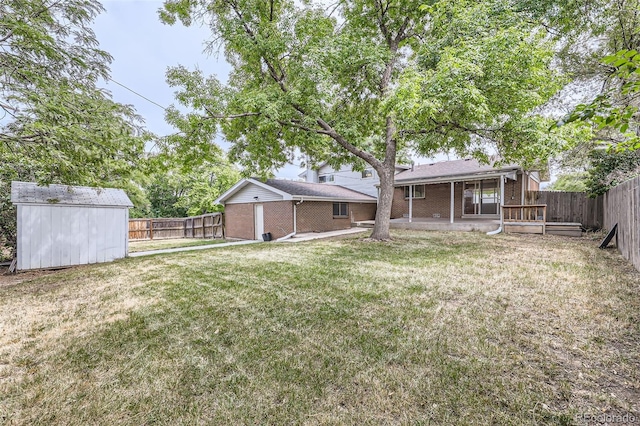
column 151, row 229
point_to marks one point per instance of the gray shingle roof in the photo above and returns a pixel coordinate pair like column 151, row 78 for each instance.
column 453, row 168
column 31, row 193
column 323, row 190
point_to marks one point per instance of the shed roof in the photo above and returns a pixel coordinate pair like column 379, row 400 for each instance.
column 298, row 190
column 444, row 169
column 31, row 193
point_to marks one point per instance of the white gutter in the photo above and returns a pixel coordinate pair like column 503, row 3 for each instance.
column 454, row 178
column 335, row 199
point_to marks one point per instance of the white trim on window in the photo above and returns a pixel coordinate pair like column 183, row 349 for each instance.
column 418, row 191
column 342, row 210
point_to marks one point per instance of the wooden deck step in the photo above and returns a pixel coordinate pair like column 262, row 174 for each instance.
column 524, row 227
column 569, row 229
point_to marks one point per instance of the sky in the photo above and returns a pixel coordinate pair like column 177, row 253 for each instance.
column 143, row 48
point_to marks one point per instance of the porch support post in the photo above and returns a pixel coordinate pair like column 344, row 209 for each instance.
column 524, row 188
column 410, row 203
column 452, row 202
column 501, row 199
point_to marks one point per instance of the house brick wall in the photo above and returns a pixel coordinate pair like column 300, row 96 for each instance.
column 317, row 216
column 278, row 218
column 312, row 216
column 438, row 199
column 513, row 191
column 534, row 185
column 238, row 221
column 362, row 211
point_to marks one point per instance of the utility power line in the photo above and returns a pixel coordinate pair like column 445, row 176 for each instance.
column 138, row 94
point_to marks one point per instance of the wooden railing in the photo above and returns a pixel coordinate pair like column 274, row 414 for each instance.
column 205, row 226
column 525, row 213
column 530, row 219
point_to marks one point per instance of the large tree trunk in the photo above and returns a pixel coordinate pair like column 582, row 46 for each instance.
column 385, row 200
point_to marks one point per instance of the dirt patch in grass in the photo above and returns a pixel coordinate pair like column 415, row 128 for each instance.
column 429, row 328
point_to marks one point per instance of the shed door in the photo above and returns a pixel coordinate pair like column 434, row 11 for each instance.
column 259, row 218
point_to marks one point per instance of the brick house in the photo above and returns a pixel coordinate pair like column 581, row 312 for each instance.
column 284, row 207
column 460, row 189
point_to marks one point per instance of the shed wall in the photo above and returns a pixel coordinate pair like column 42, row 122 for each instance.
column 51, row 236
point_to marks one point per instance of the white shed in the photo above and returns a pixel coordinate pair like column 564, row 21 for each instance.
column 61, row 225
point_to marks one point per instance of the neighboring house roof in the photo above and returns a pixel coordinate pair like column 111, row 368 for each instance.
column 293, row 190
column 317, row 169
column 453, row 170
column 31, row 193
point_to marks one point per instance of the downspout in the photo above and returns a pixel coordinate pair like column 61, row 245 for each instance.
column 295, row 222
column 499, row 230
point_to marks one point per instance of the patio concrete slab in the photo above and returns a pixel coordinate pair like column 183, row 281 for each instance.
column 440, row 224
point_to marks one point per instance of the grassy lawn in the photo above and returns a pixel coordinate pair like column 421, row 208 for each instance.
column 136, row 246
column 431, row 328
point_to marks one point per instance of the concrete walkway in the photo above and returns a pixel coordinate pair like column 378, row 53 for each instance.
column 297, row 239
column 179, row 249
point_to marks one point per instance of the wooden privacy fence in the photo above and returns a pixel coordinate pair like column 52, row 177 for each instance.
column 205, row 226
column 569, row 207
column 622, row 206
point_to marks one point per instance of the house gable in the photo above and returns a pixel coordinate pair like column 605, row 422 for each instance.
column 252, row 193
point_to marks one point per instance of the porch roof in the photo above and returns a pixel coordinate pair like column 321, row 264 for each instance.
column 453, row 171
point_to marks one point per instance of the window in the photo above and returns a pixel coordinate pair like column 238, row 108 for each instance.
column 325, row 178
column 340, row 210
column 418, row 191
column 482, row 197
column 367, row 173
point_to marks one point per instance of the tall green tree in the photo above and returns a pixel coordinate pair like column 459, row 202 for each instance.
column 365, row 80
column 56, row 124
column 189, row 191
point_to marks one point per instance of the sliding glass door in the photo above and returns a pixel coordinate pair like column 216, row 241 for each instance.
column 482, row 197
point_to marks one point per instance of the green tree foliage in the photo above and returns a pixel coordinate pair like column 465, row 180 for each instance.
column 363, row 80
column 179, row 192
column 608, row 169
column 614, row 113
column 57, row 125
column 571, row 182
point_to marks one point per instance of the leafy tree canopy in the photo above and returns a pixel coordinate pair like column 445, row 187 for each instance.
column 609, row 169
column 614, row 113
column 179, row 192
column 571, row 182
column 56, row 124
column 364, row 80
